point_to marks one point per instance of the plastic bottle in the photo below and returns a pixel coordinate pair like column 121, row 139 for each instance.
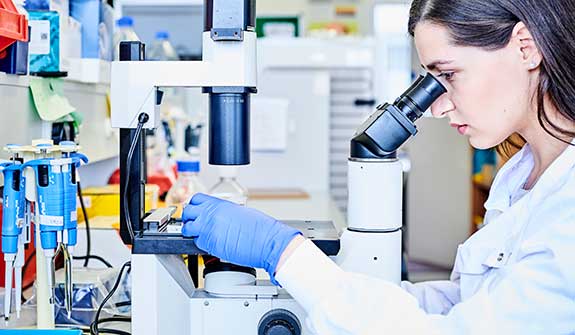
column 187, row 184
column 125, row 32
column 228, row 187
column 162, row 49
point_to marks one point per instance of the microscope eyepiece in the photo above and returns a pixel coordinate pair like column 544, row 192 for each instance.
column 419, row 96
column 393, row 124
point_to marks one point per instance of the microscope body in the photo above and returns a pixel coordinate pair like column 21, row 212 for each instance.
column 165, row 299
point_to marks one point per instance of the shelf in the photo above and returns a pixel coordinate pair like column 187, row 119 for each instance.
column 90, row 71
column 14, row 80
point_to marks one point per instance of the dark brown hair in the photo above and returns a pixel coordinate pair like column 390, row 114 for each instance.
column 488, row 24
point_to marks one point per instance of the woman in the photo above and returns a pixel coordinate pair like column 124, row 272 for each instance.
column 508, row 68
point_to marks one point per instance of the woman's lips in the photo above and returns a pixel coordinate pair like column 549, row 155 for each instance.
column 461, row 128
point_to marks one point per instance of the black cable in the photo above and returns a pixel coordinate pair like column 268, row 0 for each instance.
column 142, row 119
column 123, row 303
column 87, row 222
column 108, row 331
column 95, row 257
column 94, row 326
column 86, row 330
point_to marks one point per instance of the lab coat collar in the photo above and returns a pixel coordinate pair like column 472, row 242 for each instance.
column 509, row 178
column 514, row 173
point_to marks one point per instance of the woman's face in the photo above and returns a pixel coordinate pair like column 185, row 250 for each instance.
column 488, row 92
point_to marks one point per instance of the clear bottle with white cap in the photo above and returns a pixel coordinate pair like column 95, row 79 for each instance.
column 228, row 188
column 125, row 32
column 161, row 49
column 187, row 184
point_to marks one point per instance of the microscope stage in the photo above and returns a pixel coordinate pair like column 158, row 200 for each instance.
column 322, row 233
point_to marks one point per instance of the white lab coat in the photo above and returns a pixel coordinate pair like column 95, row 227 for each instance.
column 514, row 276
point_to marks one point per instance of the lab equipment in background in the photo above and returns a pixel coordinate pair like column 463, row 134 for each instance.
column 91, row 286
column 48, row 181
column 187, row 184
column 15, row 232
column 13, row 26
column 14, row 60
column 278, row 26
column 97, row 19
column 228, row 188
column 160, row 168
column 66, row 29
column 55, row 206
column 104, row 201
column 162, row 49
column 44, row 47
column 125, row 32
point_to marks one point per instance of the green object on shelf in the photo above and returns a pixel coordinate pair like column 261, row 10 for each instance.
column 267, row 26
column 49, row 100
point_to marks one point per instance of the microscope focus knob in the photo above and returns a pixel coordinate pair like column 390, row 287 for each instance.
column 279, row 322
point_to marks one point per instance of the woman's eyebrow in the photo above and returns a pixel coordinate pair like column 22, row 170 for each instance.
column 433, row 65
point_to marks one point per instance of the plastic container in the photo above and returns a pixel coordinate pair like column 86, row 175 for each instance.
column 124, row 32
column 162, row 49
column 97, row 19
column 187, row 184
column 13, row 25
column 228, row 188
column 44, row 47
column 14, row 60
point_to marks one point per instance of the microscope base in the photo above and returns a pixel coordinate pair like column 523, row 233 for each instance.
column 164, row 301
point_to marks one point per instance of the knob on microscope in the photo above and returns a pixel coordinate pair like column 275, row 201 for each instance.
column 279, row 322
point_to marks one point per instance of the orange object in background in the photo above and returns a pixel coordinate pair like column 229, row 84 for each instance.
column 29, row 273
column 13, row 25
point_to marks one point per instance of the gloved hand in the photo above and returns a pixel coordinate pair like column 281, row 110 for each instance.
column 237, row 234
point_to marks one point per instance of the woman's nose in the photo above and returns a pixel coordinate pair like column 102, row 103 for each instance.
column 442, row 106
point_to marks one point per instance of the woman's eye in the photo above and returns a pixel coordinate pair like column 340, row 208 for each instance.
column 447, row 75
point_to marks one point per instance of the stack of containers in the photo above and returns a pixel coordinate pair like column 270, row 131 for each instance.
column 97, row 19
column 13, row 39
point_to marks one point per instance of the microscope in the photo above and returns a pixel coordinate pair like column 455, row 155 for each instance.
column 165, row 297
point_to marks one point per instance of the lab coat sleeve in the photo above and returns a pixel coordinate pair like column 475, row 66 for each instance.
column 435, row 297
column 339, row 302
column 535, row 295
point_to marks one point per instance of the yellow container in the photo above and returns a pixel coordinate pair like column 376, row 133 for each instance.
column 105, row 201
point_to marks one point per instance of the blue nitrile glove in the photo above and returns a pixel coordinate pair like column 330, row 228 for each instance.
column 240, row 235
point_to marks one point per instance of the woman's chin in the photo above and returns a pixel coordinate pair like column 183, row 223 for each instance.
column 481, row 143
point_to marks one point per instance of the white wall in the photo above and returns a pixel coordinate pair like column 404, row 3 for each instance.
column 284, row 7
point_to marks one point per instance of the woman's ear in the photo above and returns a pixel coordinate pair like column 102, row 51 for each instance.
column 528, row 50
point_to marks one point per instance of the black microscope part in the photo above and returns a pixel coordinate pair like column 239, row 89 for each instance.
column 393, row 124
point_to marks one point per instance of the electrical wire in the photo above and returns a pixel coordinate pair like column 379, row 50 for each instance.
column 142, row 119
column 87, row 222
column 86, row 330
column 94, row 329
column 95, row 257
